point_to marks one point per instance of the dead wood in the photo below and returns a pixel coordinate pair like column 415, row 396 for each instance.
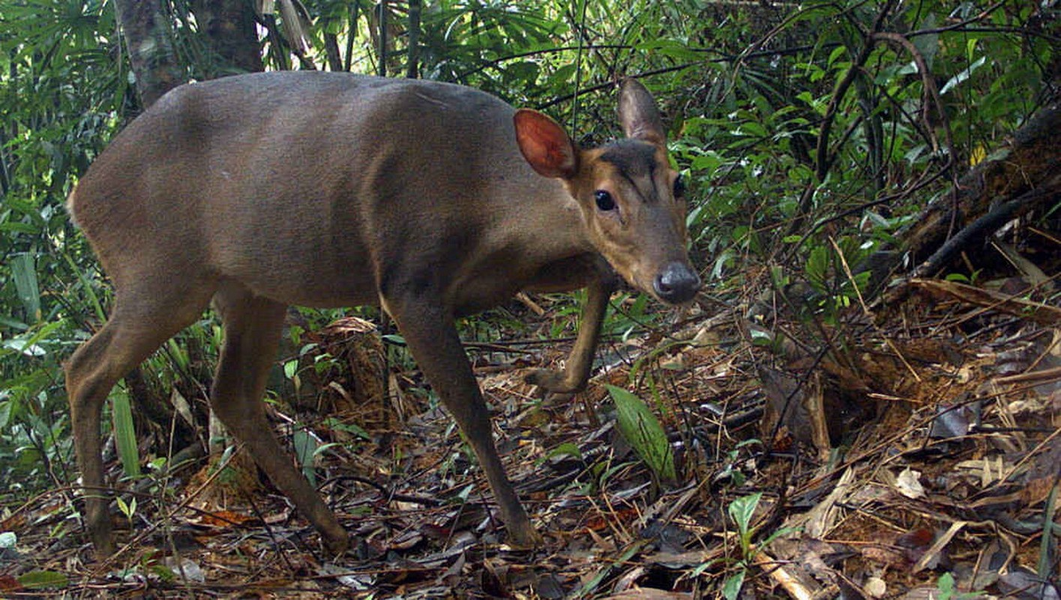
column 1021, row 176
column 1033, row 311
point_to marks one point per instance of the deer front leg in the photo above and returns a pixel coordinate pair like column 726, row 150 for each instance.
column 579, row 364
column 431, row 335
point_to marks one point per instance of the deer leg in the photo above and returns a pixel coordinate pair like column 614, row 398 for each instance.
column 252, row 328
column 138, row 325
column 580, row 362
column 431, row 335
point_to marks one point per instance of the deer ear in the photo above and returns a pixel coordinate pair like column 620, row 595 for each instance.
column 545, row 144
column 639, row 115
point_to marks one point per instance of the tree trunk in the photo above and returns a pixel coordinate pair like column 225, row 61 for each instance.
column 331, row 51
column 1023, row 176
column 145, row 27
column 230, row 30
column 412, row 66
column 383, row 54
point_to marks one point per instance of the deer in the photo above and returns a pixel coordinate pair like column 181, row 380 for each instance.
column 431, row 200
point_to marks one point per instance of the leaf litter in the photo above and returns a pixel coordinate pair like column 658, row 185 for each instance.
column 911, row 451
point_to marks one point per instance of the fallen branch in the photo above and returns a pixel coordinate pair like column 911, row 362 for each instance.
column 1033, row 311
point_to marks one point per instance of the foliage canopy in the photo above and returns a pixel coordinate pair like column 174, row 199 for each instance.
column 795, row 123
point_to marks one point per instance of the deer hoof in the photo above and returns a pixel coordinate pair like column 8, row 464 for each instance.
column 336, row 545
column 552, row 382
column 528, row 539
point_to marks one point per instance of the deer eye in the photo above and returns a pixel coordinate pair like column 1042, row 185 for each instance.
column 605, row 201
column 679, row 186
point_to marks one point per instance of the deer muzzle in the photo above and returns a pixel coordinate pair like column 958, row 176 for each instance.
column 676, row 283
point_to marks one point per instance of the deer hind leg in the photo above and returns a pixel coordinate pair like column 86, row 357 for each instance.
column 252, row 326
column 138, row 325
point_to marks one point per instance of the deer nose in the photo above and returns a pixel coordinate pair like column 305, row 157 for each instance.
column 676, row 283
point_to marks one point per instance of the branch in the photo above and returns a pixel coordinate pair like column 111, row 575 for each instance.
column 841, row 91
column 383, row 38
column 959, row 25
column 930, row 95
column 986, row 225
column 723, row 58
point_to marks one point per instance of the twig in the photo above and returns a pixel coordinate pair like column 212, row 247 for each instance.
column 959, row 25
column 105, row 564
column 865, row 310
column 777, row 571
column 841, row 91
column 930, row 95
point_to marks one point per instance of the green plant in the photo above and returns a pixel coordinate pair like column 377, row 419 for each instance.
column 643, row 431
column 307, row 449
column 127, row 508
column 827, row 272
column 742, row 512
column 948, row 591
column 734, row 458
column 125, row 434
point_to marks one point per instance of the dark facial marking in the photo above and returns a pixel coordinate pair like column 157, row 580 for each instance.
column 635, row 160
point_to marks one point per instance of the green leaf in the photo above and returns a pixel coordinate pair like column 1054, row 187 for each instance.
column 761, row 337
column 752, row 128
column 19, row 227
column 290, row 368
column 928, row 45
column 835, row 54
column 592, row 584
column 707, row 162
column 818, row 267
column 27, row 343
column 671, row 48
column 127, row 508
column 43, row 579
column 23, row 346
column 164, row 572
column 13, row 323
column 7, row 408
column 24, row 272
column 567, row 449
column 965, row 74
column 945, row 584
column 731, row 589
column 743, row 509
column 523, row 71
column 351, row 428
column 644, row 433
column 26, row 208
column 776, row 534
column 305, row 449
column 86, row 286
column 125, row 434
column 562, row 76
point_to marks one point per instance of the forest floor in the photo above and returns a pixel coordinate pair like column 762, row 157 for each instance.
column 909, row 449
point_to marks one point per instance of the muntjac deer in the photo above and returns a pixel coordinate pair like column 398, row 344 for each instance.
column 319, row 189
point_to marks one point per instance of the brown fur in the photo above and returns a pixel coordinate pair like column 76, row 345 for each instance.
column 260, row 191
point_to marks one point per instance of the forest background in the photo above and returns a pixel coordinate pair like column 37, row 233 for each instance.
column 814, row 137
